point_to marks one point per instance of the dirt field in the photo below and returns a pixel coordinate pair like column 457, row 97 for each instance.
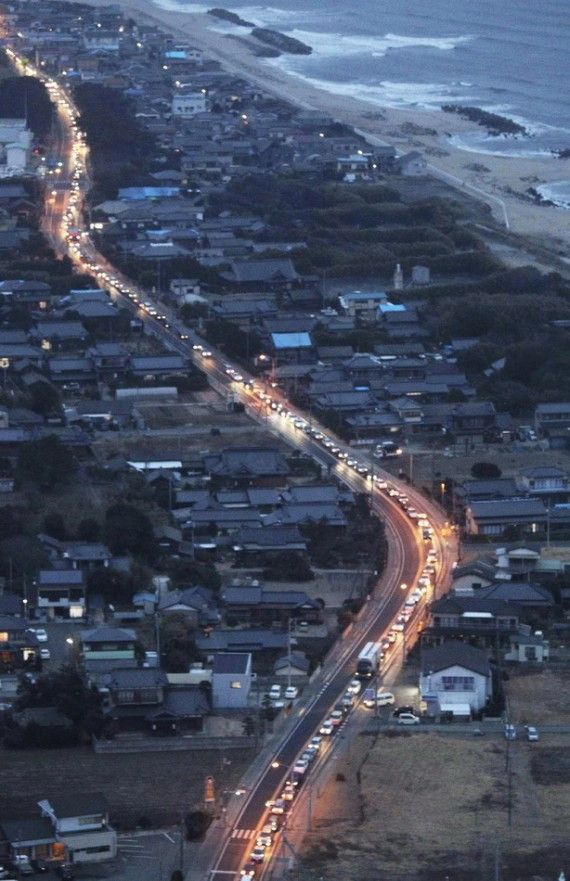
column 143, row 789
column 431, row 806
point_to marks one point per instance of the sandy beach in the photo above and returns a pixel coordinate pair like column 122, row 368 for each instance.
column 502, row 182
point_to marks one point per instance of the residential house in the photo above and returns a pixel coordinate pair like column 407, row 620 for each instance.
column 87, row 555
column 61, row 594
column 520, row 594
column 363, row 305
column 33, row 837
column 483, row 622
column 293, row 665
column 231, row 680
column 129, row 695
column 105, row 649
column 81, row 825
column 546, row 482
column 197, row 604
column 553, row 421
column 253, row 541
column 18, row 644
column 455, row 680
column 159, row 365
column 412, row 164
column 528, row 648
column 494, row 516
column 276, row 274
column 254, row 640
column 253, row 604
column 248, row 466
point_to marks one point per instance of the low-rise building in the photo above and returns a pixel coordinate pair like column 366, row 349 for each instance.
column 455, row 679
column 81, row 825
column 231, row 679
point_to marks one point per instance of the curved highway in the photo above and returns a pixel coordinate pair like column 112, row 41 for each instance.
column 406, row 554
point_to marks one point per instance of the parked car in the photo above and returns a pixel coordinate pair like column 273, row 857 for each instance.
column 41, row 634
column 408, row 719
column 21, row 864
column 45, row 654
column 275, row 692
column 40, row 866
column 531, row 732
column 291, row 692
column 510, row 732
column 404, row 709
column 65, row 872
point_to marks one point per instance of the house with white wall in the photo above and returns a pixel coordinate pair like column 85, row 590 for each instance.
column 81, row 825
column 455, row 678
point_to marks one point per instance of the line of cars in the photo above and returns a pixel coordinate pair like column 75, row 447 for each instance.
column 278, row 808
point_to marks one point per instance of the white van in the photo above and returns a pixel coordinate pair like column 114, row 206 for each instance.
column 382, row 699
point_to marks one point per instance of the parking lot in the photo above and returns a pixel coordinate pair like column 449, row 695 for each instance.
column 141, row 856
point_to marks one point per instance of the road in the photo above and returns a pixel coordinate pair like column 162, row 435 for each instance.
column 406, row 554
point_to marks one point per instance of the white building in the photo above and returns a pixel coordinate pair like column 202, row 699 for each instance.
column 188, row 104
column 231, row 679
column 81, row 826
column 455, row 678
column 15, row 145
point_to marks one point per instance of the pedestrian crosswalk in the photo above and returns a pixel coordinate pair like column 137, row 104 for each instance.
column 244, row 834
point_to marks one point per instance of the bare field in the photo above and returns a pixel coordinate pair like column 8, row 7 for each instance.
column 427, row 806
column 153, row 787
column 539, row 696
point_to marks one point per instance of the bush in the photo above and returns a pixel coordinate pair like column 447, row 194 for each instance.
column 485, row 471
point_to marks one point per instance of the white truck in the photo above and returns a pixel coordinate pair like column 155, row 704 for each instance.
column 368, row 661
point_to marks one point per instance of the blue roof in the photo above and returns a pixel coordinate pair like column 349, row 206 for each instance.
column 358, row 296
column 133, row 193
column 291, row 340
column 392, row 307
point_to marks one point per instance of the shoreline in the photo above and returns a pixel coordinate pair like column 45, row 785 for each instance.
column 501, row 182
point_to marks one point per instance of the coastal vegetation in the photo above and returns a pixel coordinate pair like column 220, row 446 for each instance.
column 495, row 124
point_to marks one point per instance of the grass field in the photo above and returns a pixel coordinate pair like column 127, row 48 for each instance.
column 148, row 789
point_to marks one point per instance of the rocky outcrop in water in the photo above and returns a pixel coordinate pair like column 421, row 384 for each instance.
column 281, row 42
column 226, row 15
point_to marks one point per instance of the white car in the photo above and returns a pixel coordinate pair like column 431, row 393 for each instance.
column 336, row 717
column 275, row 692
column 354, row 686
column 45, row 654
column 327, row 728
column 315, row 742
column 531, row 732
column 291, row 692
column 41, row 634
column 408, row 719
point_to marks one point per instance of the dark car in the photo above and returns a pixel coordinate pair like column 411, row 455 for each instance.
column 40, row 866
column 401, row 710
column 65, row 872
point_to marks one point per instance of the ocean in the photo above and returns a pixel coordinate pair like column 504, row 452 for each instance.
column 510, row 57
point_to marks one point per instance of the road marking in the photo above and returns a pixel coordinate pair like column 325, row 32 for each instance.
column 243, row 833
column 166, row 835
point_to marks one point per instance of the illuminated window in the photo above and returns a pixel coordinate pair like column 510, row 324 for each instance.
column 236, row 684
